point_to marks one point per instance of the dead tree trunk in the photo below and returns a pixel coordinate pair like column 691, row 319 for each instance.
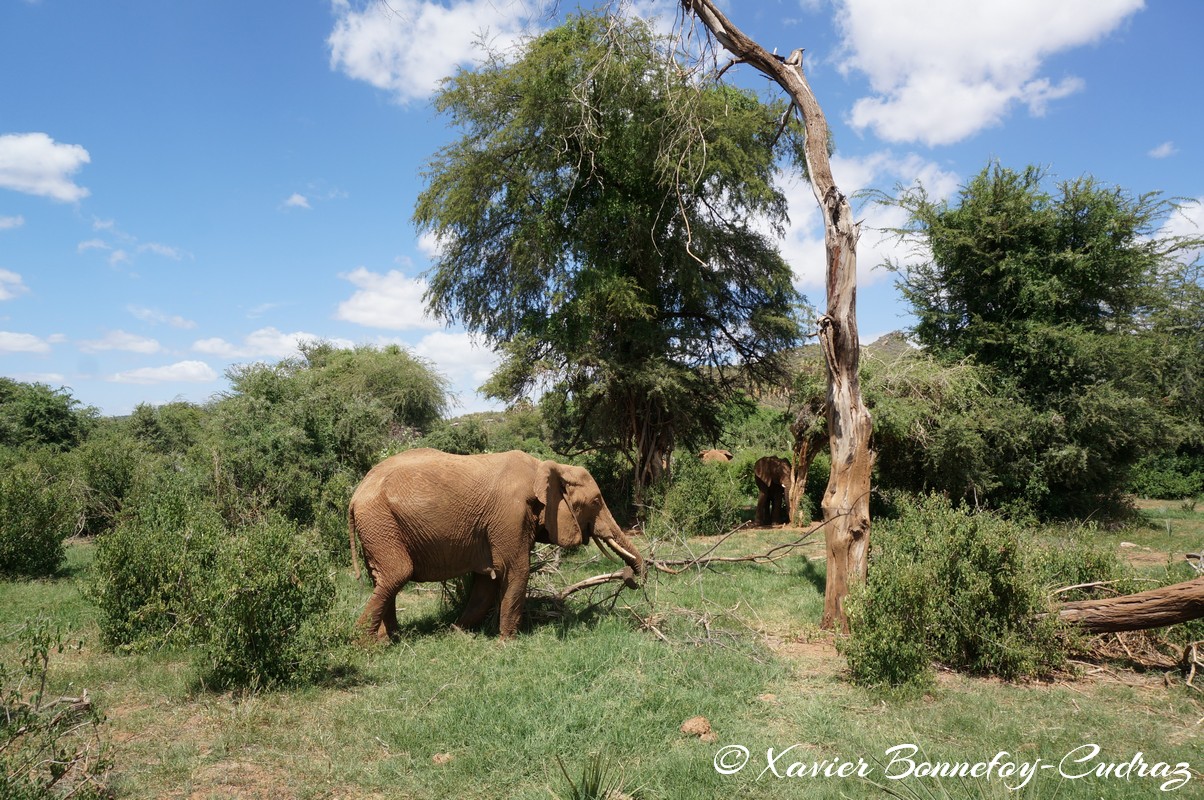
column 846, row 500
column 1168, row 605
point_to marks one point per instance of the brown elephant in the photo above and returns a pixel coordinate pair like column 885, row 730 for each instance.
column 773, row 482
column 426, row 515
column 716, row 455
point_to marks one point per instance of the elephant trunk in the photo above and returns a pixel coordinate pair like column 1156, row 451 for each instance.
column 609, row 533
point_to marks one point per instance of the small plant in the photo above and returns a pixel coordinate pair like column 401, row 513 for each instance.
column 596, row 782
column 49, row 747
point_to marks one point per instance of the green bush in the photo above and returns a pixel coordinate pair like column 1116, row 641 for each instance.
column 107, row 468
column 952, row 586
column 151, row 570
column 266, row 620
column 463, row 437
column 37, row 514
column 1168, row 477
column 702, row 500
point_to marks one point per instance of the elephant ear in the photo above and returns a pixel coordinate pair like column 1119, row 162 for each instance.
column 557, row 518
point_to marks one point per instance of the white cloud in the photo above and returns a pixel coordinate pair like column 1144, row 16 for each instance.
column 11, row 285
column 92, row 244
column 1164, row 150
column 391, row 301
column 465, row 360
column 156, row 317
column 944, row 69
column 181, row 371
column 1187, row 221
column 120, row 340
column 803, row 245
column 429, row 245
column 8, row 223
column 407, row 46
column 118, row 257
column 161, row 250
column 463, row 357
column 36, row 164
column 296, row 200
column 48, row 378
column 22, row 343
column 263, row 343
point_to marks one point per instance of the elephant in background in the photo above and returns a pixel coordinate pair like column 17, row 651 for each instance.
column 716, row 455
column 426, row 515
column 773, row 478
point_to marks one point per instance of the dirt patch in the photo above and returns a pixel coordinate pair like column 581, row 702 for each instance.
column 811, row 656
column 244, row 780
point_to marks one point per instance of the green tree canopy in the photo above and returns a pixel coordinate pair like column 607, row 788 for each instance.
column 33, row 414
column 605, row 222
column 1056, row 293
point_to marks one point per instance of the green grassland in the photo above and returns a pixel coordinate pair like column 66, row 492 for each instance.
column 449, row 714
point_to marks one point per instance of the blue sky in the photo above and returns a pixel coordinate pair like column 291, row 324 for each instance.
column 192, row 184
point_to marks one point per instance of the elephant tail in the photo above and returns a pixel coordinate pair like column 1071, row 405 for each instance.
column 355, row 561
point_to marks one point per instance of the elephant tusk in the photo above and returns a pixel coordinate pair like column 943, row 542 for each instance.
column 628, row 558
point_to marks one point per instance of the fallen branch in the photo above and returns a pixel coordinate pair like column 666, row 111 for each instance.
column 1093, row 585
column 678, row 566
column 1155, row 608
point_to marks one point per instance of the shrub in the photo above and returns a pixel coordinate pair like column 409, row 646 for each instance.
column 267, row 604
column 1168, row 477
column 37, row 514
column 48, row 746
column 150, row 571
column 34, row 415
column 953, row 586
column 464, row 437
column 107, row 468
column 702, row 500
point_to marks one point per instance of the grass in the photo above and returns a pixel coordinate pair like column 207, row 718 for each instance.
column 461, row 715
column 1161, row 534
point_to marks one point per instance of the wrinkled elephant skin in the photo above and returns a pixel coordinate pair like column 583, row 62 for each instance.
column 425, row 515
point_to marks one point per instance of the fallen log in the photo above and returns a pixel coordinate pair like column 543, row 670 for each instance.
column 1155, row 608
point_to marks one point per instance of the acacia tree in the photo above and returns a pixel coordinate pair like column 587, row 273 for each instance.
column 1063, row 294
column 846, row 500
column 616, row 266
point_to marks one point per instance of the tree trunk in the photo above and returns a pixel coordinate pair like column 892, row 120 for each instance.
column 1168, row 605
column 809, row 435
column 651, row 437
column 846, row 500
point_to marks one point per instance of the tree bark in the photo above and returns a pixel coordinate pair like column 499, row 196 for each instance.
column 1156, row 608
column 846, row 500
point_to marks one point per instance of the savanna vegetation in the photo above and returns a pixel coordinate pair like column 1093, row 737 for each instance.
column 177, row 608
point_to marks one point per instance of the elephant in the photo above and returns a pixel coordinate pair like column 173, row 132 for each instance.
column 426, row 515
column 716, row 455
column 773, row 481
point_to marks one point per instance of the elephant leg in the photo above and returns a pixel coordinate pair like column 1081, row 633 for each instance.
column 775, row 506
column 379, row 617
column 514, row 597
column 481, row 599
column 389, row 626
column 762, row 507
